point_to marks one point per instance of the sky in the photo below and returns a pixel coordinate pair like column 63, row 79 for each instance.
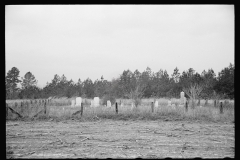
column 88, row 41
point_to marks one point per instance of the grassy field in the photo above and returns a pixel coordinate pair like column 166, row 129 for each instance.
column 169, row 131
column 61, row 109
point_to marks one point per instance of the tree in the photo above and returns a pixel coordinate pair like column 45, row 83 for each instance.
column 28, row 80
column 29, row 88
column 88, row 88
column 208, row 82
column 136, row 94
column 176, row 75
column 225, row 82
column 193, row 92
column 11, row 81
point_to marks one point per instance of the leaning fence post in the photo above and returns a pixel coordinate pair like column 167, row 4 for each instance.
column 221, row 108
column 186, row 106
column 81, row 109
column 116, row 108
column 152, row 106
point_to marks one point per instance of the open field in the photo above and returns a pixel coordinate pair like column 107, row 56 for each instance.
column 119, row 139
column 169, row 131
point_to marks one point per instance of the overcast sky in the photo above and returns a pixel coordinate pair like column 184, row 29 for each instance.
column 82, row 41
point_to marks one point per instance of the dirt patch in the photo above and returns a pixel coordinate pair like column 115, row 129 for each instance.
column 119, row 139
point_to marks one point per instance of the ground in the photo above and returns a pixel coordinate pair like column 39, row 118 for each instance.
column 119, row 139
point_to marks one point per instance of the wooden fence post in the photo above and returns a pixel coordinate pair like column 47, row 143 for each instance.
column 116, row 108
column 198, row 104
column 186, row 106
column 21, row 107
column 81, row 109
column 206, row 102
column 215, row 103
column 6, row 109
column 45, row 108
column 221, row 108
column 152, row 106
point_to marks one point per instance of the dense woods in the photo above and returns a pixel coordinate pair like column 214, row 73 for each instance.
column 150, row 84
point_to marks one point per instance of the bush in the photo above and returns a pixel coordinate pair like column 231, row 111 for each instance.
column 105, row 98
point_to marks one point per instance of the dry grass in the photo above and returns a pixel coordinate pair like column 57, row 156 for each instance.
column 61, row 109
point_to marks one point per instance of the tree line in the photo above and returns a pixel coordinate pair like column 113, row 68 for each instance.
column 159, row 84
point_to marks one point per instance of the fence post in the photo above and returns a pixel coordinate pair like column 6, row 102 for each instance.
column 152, row 106
column 6, row 109
column 186, row 106
column 45, row 108
column 198, row 104
column 206, row 102
column 221, row 108
column 215, row 103
column 21, row 107
column 81, row 109
column 116, row 108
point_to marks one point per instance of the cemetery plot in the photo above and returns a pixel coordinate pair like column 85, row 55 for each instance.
column 119, row 139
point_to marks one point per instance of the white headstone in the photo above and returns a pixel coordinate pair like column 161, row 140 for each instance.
column 78, row 101
column 73, row 103
column 96, row 101
column 156, row 104
column 109, row 104
column 169, row 103
column 182, row 98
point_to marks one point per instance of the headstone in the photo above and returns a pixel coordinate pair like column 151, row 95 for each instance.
column 156, row 104
column 96, row 101
column 109, row 104
column 169, row 103
column 182, row 97
column 78, row 101
column 73, row 103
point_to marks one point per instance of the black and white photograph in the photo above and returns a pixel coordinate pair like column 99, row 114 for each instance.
column 120, row 81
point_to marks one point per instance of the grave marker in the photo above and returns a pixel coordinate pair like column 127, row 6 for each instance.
column 182, row 98
column 96, row 101
column 78, row 101
column 109, row 103
column 156, row 104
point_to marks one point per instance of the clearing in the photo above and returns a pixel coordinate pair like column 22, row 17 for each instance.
column 119, row 139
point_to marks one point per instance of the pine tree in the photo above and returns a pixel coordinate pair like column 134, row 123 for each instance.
column 11, row 82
